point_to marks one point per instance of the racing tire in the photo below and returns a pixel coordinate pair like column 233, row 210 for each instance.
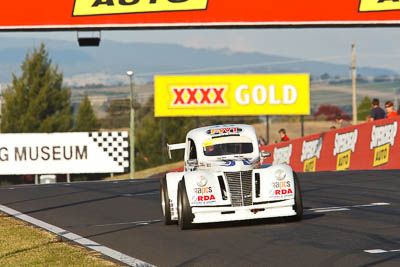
column 185, row 216
column 165, row 202
column 298, row 206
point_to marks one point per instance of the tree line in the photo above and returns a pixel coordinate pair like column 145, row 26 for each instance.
column 37, row 101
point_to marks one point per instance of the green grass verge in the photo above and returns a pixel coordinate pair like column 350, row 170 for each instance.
column 24, row 245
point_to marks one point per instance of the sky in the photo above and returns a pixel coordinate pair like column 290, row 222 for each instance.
column 374, row 46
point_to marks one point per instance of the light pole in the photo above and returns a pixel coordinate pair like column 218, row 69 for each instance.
column 354, row 79
column 132, row 128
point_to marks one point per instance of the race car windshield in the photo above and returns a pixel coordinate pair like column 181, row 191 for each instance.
column 231, row 145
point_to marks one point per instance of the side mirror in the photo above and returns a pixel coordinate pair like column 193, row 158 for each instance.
column 265, row 154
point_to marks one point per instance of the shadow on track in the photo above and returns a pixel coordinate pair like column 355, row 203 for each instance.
column 247, row 223
column 90, row 201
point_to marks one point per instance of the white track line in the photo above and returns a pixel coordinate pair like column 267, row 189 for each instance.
column 76, row 238
column 126, row 223
column 380, row 251
column 343, row 208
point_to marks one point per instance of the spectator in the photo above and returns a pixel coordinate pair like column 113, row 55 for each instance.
column 377, row 112
column 389, row 109
column 282, row 134
column 341, row 121
column 261, row 141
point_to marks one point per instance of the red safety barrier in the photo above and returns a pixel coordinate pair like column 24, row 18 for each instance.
column 371, row 145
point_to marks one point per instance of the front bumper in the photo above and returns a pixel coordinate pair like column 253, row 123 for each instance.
column 223, row 214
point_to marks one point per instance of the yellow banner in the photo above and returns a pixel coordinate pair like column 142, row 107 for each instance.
column 343, row 161
column 379, row 5
column 232, row 95
column 310, row 165
column 381, row 155
column 108, row 7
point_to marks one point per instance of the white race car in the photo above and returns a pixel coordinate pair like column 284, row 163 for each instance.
column 223, row 180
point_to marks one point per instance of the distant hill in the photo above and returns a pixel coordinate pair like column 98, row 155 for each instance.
column 112, row 59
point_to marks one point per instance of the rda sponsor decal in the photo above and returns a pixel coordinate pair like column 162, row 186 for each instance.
column 206, row 198
column 109, row 7
column 282, row 155
column 281, row 189
column 382, row 137
column 379, row 5
column 311, row 151
column 283, row 192
column 344, row 144
column 203, row 196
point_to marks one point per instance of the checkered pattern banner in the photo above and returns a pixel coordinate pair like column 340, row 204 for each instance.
column 114, row 144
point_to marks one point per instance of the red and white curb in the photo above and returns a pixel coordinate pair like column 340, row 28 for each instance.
column 76, row 238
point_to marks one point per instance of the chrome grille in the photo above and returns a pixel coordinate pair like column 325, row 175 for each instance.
column 240, row 188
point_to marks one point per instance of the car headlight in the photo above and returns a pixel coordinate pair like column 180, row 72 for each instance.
column 201, row 181
column 280, row 174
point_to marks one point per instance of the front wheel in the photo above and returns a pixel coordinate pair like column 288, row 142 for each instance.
column 298, row 206
column 185, row 216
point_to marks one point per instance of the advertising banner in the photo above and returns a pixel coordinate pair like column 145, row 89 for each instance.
column 232, row 95
column 64, row 153
column 372, row 145
column 117, row 14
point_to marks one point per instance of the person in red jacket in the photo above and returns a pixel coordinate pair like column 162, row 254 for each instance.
column 389, row 109
column 282, row 134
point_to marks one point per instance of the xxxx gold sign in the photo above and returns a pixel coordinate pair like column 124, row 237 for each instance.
column 231, row 95
column 379, row 5
column 109, row 7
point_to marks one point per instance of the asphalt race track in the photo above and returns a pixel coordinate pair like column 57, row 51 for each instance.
column 351, row 219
